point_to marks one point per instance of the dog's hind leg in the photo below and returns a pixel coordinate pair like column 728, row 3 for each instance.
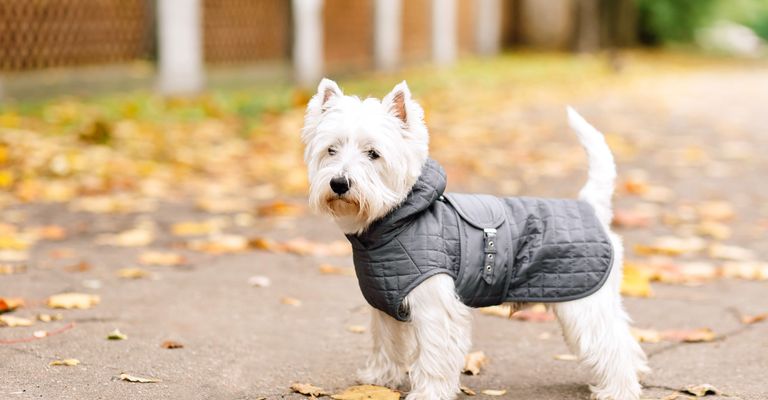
column 441, row 324
column 597, row 330
column 393, row 347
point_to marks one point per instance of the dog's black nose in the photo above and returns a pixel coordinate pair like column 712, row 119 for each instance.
column 340, row 185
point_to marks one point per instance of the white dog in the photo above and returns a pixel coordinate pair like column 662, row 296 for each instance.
column 364, row 159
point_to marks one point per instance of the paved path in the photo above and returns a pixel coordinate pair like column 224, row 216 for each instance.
column 240, row 342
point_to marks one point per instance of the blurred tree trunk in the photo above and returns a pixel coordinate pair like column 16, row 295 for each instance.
column 588, row 26
column 604, row 24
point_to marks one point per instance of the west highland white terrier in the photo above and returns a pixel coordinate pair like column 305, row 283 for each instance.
column 423, row 257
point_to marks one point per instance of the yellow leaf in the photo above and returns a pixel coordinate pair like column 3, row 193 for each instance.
column 116, row 335
column 137, row 237
column 646, row 335
column 702, row 390
column 137, row 379
column 279, row 208
column 636, row 282
column 671, row 245
column 503, row 311
column 291, row 301
column 11, row 321
column 308, row 390
column 467, row 391
column 73, row 300
column 494, row 392
column 731, row 253
column 10, row 303
column 745, row 270
column 367, row 392
column 690, row 335
column 164, row 258
column 195, row 228
column 133, row 273
column 473, row 362
column 752, row 319
column 68, row 362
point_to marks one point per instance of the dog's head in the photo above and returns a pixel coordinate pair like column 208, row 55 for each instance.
column 363, row 156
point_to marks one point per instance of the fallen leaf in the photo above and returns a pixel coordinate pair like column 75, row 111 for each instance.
column 752, row 319
column 308, row 390
column 219, row 205
column 690, row 335
column 715, row 210
column 136, row 237
column 535, row 313
column 220, row 244
column 304, row 247
column 646, row 335
column 49, row 317
column 503, row 310
column 73, row 300
column 116, row 335
column 367, row 392
column 356, row 328
column 731, row 253
column 328, row 269
column 671, row 246
column 170, row 344
column 632, row 218
column 137, row 379
column 291, row 301
column 494, row 392
column 473, row 362
column 566, row 357
column 161, row 258
column 68, row 362
column 702, row 390
column 12, row 321
column 10, row 303
column 196, row 228
column 467, row 391
column 259, row 281
column 635, row 282
column 677, row 396
column 133, row 273
column 10, row 269
column 714, row 229
column 279, row 209
column 750, row 270
column 82, row 266
column 50, row 232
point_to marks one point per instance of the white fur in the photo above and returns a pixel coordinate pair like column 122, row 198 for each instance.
column 431, row 347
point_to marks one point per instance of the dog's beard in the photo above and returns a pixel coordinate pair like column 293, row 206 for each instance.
column 343, row 206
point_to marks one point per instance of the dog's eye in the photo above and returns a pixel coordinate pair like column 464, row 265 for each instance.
column 331, row 151
column 372, row 154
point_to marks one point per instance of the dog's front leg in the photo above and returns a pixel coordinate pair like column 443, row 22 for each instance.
column 441, row 325
column 392, row 348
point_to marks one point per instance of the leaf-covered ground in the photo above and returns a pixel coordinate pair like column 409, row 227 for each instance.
column 154, row 248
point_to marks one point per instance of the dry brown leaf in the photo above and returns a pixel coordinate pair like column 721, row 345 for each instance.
column 12, row 321
column 356, row 328
column 566, row 357
column 137, row 379
column 50, row 232
column 10, row 303
column 170, row 344
column 308, row 390
column 367, row 392
column 535, row 313
column 467, row 391
column 636, row 282
column 473, row 362
column 328, row 269
column 133, row 273
column 494, row 392
column 690, row 335
column 291, row 301
column 161, row 258
column 67, row 362
column 73, row 300
column 702, row 390
column 82, row 266
column 752, row 319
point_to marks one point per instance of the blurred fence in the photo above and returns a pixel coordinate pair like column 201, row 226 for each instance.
column 350, row 34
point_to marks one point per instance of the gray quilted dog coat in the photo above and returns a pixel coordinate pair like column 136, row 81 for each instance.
column 512, row 249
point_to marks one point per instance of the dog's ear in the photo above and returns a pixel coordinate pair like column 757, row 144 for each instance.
column 398, row 101
column 327, row 90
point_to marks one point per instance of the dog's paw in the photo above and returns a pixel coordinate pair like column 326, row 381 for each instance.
column 391, row 377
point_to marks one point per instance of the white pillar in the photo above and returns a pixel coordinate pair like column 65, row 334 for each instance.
column 387, row 33
column 180, row 46
column 308, row 42
column 487, row 27
column 444, row 31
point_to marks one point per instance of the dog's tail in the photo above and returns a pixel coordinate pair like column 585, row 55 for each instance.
column 602, row 169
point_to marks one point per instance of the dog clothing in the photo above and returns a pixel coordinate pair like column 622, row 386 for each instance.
column 511, row 249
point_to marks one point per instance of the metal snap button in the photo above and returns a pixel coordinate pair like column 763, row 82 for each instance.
column 490, row 243
column 488, row 268
column 490, row 256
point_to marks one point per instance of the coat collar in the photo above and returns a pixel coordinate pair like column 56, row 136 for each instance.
column 428, row 188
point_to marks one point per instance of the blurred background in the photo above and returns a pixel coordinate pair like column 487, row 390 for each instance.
column 151, row 172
